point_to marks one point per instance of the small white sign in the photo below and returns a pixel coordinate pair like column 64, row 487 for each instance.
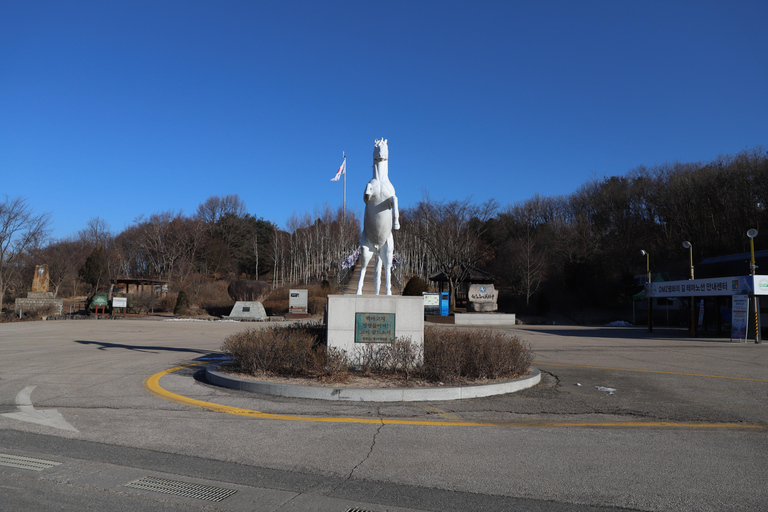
column 298, row 301
column 120, row 302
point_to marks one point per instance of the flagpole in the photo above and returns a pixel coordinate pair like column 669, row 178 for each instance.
column 344, row 215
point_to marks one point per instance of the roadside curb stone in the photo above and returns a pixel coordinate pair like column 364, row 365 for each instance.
column 372, row 394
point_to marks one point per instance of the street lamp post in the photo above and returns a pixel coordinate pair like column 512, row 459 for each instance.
column 752, row 233
column 689, row 246
column 648, row 290
column 692, row 326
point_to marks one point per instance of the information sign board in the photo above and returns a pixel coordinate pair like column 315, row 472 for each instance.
column 298, row 301
column 374, row 327
column 739, row 316
column 431, row 303
column 100, row 300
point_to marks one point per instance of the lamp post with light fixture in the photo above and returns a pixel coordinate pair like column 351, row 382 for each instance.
column 689, row 246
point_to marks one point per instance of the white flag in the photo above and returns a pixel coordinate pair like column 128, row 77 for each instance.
column 342, row 170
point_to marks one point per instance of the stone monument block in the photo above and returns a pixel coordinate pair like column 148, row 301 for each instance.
column 41, row 279
column 248, row 310
column 482, row 298
column 357, row 321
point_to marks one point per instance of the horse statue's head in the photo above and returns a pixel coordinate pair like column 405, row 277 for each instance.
column 380, row 149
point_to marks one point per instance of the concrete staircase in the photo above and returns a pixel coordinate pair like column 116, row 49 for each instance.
column 368, row 289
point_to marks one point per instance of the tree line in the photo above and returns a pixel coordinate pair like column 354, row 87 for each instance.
column 579, row 248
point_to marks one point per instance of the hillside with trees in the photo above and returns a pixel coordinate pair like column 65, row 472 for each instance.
column 548, row 252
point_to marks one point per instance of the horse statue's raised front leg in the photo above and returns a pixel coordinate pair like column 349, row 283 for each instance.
column 396, row 213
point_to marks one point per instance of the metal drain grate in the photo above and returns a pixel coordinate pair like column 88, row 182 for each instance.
column 357, row 510
column 200, row 492
column 14, row 461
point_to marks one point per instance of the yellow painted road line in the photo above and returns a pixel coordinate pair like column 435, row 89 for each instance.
column 543, row 363
column 152, row 384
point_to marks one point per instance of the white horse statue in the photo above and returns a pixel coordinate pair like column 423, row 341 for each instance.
column 378, row 223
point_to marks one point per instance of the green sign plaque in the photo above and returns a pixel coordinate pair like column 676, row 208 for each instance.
column 374, row 327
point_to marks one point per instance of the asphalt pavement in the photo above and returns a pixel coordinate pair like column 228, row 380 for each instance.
column 622, row 420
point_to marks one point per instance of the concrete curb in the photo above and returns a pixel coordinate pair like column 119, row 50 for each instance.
column 372, row 394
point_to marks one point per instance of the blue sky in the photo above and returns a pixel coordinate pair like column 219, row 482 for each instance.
column 120, row 109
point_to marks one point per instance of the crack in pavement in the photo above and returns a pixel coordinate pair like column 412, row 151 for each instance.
column 370, row 451
column 557, row 379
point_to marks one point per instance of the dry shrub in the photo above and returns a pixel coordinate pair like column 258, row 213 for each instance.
column 456, row 356
column 400, row 356
column 415, row 287
column 371, row 357
column 289, row 351
column 166, row 303
column 142, row 302
column 192, row 312
column 335, row 366
column 212, row 296
column 451, row 356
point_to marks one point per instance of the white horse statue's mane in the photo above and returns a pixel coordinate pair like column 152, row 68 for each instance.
column 381, row 217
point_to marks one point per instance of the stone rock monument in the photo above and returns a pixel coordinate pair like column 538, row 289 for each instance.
column 248, row 290
column 380, row 218
column 41, row 279
column 40, row 299
column 482, row 298
column 247, row 295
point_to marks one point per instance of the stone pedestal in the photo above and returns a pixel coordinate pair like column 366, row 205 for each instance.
column 482, row 307
column 41, row 302
column 248, row 310
column 355, row 322
column 484, row 319
column 40, row 299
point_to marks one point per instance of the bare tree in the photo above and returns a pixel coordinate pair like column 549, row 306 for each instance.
column 529, row 225
column 451, row 232
column 214, row 208
column 96, row 232
column 20, row 231
column 64, row 258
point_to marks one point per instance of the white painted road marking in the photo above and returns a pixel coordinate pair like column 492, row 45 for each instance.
column 47, row 417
